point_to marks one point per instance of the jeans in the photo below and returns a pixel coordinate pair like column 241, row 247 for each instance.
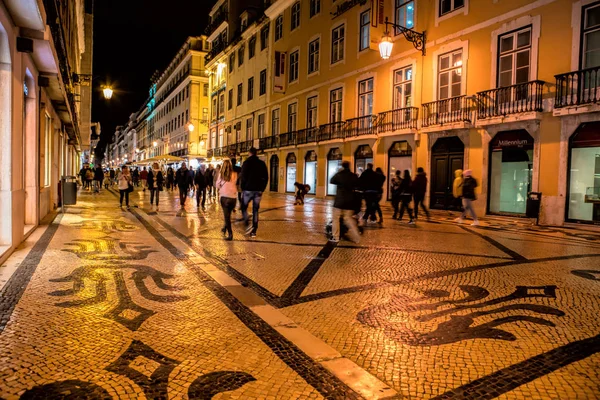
column 349, row 221
column 371, row 203
column 255, row 196
column 200, row 192
column 396, row 204
column 182, row 195
column 227, row 204
column 123, row 193
column 152, row 194
column 405, row 205
column 468, row 206
column 419, row 200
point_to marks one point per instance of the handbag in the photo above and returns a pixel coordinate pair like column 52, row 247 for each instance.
column 129, row 187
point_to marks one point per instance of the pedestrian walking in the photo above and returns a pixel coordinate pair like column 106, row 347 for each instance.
column 107, row 179
column 98, row 178
column 136, row 177
column 457, row 188
column 125, row 186
column 170, row 178
column 376, row 205
column 217, row 173
column 144, row 178
column 82, row 172
column 468, row 197
column 112, row 176
column 155, row 181
column 226, row 184
column 301, row 191
column 253, row 179
column 200, row 186
column 344, row 205
column 396, row 198
column 368, row 183
column 419, row 189
column 209, row 179
column 183, row 181
column 406, row 196
column 89, row 177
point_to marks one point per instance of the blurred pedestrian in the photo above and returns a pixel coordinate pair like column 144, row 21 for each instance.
column 468, row 197
column 301, row 191
column 144, row 178
column 376, row 205
column 183, row 181
column 419, row 189
column 107, row 179
column 170, row 178
column 369, row 184
column 254, row 178
column 344, row 205
column 209, row 179
column 406, row 196
column 98, row 178
column 457, row 188
column 228, row 195
column 125, row 186
column 396, row 198
column 135, row 175
column 155, row 180
column 200, row 186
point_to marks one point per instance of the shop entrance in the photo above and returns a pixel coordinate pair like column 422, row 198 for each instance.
column 274, row 175
column 583, row 198
column 362, row 156
column 334, row 163
column 400, row 159
column 290, row 173
column 447, row 155
column 511, row 171
column 310, row 171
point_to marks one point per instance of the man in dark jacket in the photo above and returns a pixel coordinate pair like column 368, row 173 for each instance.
column 468, row 197
column 369, row 184
column 345, row 202
column 183, row 181
column 419, row 188
column 98, row 178
column 200, row 183
column 253, row 181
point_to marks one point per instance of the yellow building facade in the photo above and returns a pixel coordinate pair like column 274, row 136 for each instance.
column 506, row 89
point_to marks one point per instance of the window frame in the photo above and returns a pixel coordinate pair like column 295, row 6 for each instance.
column 315, row 8
column 231, row 61
column 241, row 52
column 230, row 99
column 251, row 47
column 278, row 27
column 336, row 106
column 294, row 76
column 262, row 125
column 240, row 94
column 250, row 89
column 364, row 28
column 586, row 31
column 453, row 7
column 292, row 117
column 275, row 122
column 449, row 71
column 341, row 43
column 262, row 82
column 515, row 33
column 403, row 83
column 366, row 93
column 312, row 111
column 314, row 56
column 264, row 37
column 398, row 5
column 295, row 16
column 250, row 129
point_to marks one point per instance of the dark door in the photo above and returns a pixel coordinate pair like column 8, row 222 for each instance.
column 447, row 156
column 274, row 175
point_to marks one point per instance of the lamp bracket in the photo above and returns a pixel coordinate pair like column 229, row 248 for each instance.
column 416, row 38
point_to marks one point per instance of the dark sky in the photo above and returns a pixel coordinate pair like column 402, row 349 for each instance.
column 132, row 39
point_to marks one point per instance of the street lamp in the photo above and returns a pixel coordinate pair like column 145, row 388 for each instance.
column 108, row 92
column 416, row 38
column 191, row 127
column 154, row 144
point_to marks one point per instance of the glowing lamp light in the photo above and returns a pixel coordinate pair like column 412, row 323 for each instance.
column 191, row 127
column 202, row 143
column 154, row 144
column 108, row 92
column 385, row 46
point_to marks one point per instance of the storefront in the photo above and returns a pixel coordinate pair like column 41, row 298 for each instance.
column 290, row 173
column 362, row 156
column 511, row 171
column 274, row 174
column 400, row 159
column 583, row 204
column 334, row 163
column 447, row 156
column 310, row 171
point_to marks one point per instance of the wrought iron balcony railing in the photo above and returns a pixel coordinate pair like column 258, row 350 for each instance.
column 333, row 130
column 401, row 118
column 216, row 47
column 365, row 125
column 578, row 87
column 245, row 146
column 215, row 22
column 217, row 152
column 524, row 97
column 454, row 109
column 210, row 153
column 308, row 135
column 288, row 139
column 269, row 142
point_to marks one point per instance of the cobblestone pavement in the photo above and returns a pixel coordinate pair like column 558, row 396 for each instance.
column 134, row 304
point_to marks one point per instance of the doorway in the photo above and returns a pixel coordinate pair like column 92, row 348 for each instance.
column 274, row 178
column 310, row 171
column 334, row 163
column 290, row 172
column 447, row 156
column 400, row 159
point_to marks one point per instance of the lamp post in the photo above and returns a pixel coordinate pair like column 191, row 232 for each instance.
column 416, row 38
column 108, row 92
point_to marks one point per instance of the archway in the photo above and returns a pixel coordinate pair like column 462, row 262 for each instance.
column 334, row 163
column 274, row 175
column 447, row 156
column 362, row 156
column 290, row 172
column 6, row 140
column 400, row 159
column 310, row 171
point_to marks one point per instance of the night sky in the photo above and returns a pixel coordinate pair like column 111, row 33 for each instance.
column 132, row 39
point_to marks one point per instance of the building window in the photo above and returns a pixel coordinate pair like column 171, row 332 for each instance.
column 231, row 62
column 337, row 44
column 365, row 21
column 402, row 87
column 311, row 112
column 292, row 116
column 295, row 16
column 241, row 51
column 294, row 66
column 279, row 28
column 249, row 129
column 275, row 122
column 365, row 97
column 205, row 90
column 261, row 126
column 514, row 57
column 250, row 88
column 335, row 105
column 315, row 7
column 262, row 89
column 450, row 75
column 251, row 47
column 214, row 108
column 230, row 99
column 447, row 6
column 222, row 103
column 313, row 56
column 591, row 37
column 264, row 37
column 405, row 14
column 240, row 94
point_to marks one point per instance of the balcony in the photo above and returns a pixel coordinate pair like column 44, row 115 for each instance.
column 216, row 48
column 269, row 142
column 244, row 147
column 217, row 152
column 515, row 99
column 578, row 88
column 288, row 139
column 401, row 118
column 447, row 111
column 308, row 135
column 365, row 125
column 210, row 153
column 216, row 22
column 333, row 130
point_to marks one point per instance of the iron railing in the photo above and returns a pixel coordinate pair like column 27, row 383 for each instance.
column 288, row 139
column 215, row 22
column 454, row 109
column 216, row 47
column 308, row 135
column 524, row 97
column 210, row 153
column 217, row 152
column 578, row 87
column 365, row 125
column 333, row 130
column 401, row 118
column 269, row 142
column 245, row 146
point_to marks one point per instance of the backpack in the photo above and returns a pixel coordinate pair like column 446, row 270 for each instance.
column 89, row 175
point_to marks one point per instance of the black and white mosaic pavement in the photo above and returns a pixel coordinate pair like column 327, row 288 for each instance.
column 117, row 304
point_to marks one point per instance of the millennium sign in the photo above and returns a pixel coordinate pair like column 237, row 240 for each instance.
column 345, row 6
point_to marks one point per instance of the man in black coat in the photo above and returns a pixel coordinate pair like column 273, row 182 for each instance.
column 253, row 178
column 183, row 181
column 345, row 202
column 200, row 183
column 369, row 183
